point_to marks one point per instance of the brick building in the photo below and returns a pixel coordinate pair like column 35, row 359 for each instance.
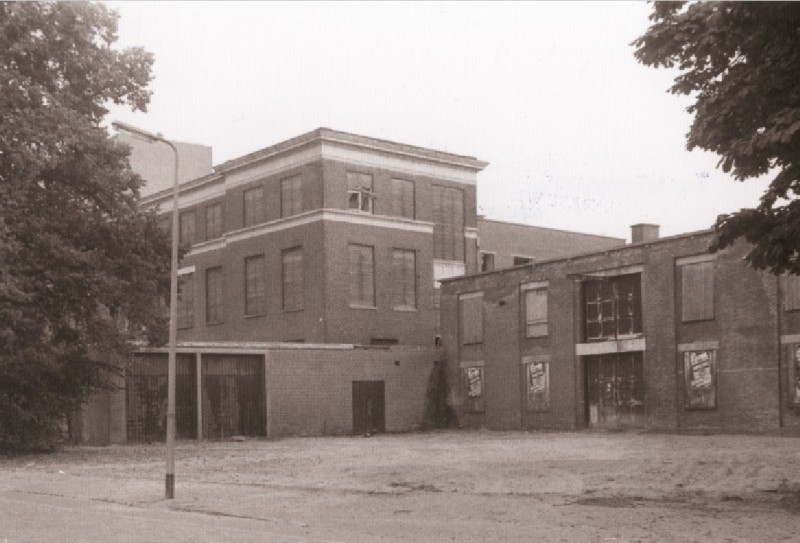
column 658, row 334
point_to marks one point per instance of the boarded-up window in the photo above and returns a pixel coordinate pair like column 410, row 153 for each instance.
column 448, row 219
column 535, row 312
column 213, row 295
column 291, row 196
column 255, row 291
column 361, row 276
column 403, row 198
column 293, row 280
column 359, row 192
column 613, row 307
column 700, row 378
column 214, row 221
column 187, row 227
column 791, row 292
column 473, row 387
column 697, row 291
column 186, row 300
column 471, row 314
column 537, row 383
column 404, row 279
column 254, row 206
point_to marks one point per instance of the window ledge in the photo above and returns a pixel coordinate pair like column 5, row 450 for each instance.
column 215, row 323
column 292, row 310
column 255, row 315
column 358, row 306
column 406, row 309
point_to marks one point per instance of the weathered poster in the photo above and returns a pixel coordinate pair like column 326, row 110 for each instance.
column 474, row 385
column 699, row 374
column 538, row 386
column 796, row 362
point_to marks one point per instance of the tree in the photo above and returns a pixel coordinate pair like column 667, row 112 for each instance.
column 741, row 63
column 82, row 270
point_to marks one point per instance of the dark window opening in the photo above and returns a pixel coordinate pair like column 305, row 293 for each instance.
column 612, row 307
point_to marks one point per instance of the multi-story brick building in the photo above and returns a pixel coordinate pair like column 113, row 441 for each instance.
column 658, row 334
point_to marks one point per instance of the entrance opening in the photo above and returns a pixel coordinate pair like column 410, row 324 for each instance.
column 369, row 407
column 614, row 389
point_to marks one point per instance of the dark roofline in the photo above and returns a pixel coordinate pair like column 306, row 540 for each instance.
column 578, row 256
column 333, row 136
column 622, row 240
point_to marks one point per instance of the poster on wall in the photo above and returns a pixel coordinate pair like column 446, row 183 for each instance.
column 700, row 378
column 538, row 386
column 474, row 382
column 796, row 359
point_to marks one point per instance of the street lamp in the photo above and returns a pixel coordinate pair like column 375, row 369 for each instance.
column 173, row 306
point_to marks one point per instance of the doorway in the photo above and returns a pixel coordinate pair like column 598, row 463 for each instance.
column 614, row 390
column 369, row 407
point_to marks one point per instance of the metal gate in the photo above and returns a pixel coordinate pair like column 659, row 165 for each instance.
column 369, row 407
column 614, row 390
column 233, row 398
column 146, row 397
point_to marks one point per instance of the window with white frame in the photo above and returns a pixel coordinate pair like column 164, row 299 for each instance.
column 360, row 196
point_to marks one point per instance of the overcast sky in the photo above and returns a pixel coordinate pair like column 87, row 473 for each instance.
column 578, row 135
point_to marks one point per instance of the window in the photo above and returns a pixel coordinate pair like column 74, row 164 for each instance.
column 186, row 300
column 359, row 192
column 293, row 281
column 535, row 310
column 522, row 260
column 213, row 295
column 254, row 206
column 255, row 290
column 612, row 307
column 487, row 262
column 186, row 231
column 403, row 198
column 291, row 196
column 697, row 291
column 473, row 386
column 471, row 314
column 700, row 379
column 404, row 279
column 214, row 221
column 537, row 385
column 794, row 373
column 361, row 275
column 791, row 292
column 448, row 219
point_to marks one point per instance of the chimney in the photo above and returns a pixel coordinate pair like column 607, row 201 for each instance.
column 642, row 233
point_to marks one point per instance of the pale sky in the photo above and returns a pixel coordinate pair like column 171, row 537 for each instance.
column 578, row 135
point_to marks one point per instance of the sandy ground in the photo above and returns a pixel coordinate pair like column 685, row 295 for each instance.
column 444, row 486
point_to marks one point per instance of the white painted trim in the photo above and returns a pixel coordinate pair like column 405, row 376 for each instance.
column 471, row 233
column 472, row 364
column 382, row 221
column 788, row 339
column 534, row 285
column 694, row 259
column 535, row 358
column 189, row 197
column 626, row 270
column 241, row 175
column 186, row 271
column 610, row 347
column 470, row 295
column 207, row 246
column 698, row 346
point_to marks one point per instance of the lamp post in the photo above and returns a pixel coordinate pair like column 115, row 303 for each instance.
column 173, row 306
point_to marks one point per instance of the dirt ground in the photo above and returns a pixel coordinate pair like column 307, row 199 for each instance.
column 443, row 486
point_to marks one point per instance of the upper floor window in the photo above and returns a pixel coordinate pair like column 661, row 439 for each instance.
column 404, row 279
column 214, row 220
column 612, row 307
column 254, row 206
column 186, row 300
column 255, row 289
column 791, row 292
column 361, row 275
column 403, row 198
column 487, row 262
column 291, row 196
column 471, row 317
column 522, row 260
column 360, row 196
column 448, row 219
column 187, row 227
column 535, row 298
column 293, row 281
column 213, row 295
column 697, row 289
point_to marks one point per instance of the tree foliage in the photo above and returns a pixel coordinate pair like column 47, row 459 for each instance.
column 82, row 270
column 741, row 63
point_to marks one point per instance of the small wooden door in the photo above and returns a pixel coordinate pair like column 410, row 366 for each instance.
column 369, row 407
